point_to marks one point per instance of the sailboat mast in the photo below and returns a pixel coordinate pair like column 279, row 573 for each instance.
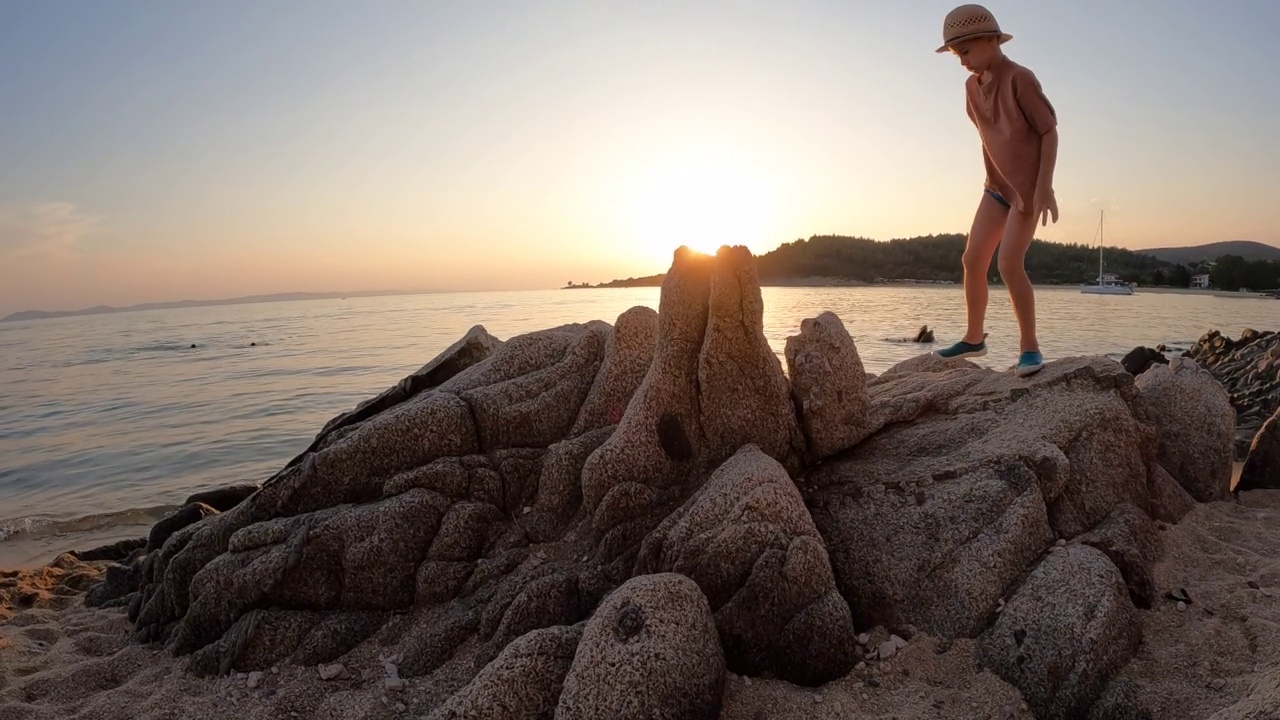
column 1101, row 241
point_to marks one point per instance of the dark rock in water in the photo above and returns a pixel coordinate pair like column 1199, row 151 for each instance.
column 1262, row 465
column 1064, row 634
column 925, row 335
column 1140, row 358
column 116, row 551
column 225, row 498
column 189, row 514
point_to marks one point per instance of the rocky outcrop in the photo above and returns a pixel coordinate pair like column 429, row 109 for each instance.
column 1196, row 426
column 1249, row 369
column 602, row 520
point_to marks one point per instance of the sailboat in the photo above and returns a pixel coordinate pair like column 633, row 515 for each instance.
column 1107, row 284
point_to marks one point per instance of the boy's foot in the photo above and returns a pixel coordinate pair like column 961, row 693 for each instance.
column 1029, row 363
column 963, row 349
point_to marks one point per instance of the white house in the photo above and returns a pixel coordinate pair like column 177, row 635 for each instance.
column 1200, row 281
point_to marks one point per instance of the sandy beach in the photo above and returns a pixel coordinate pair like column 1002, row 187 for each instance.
column 59, row 659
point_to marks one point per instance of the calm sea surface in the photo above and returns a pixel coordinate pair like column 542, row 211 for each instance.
column 112, row 420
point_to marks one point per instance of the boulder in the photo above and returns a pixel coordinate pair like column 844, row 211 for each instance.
column 1064, row 634
column 1262, row 464
column 929, row 522
column 627, row 356
column 829, row 385
column 650, row 651
column 748, row 542
column 524, row 681
column 1196, row 426
column 1129, row 539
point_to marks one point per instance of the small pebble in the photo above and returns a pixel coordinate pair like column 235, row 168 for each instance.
column 1061, row 542
column 887, row 649
column 394, row 684
column 336, row 671
column 255, row 680
column 817, row 698
column 897, row 641
column 864, row 697
column 400, row 707
column 1218, row 683
column 1182, row 607
column 860, row 666
column 864, row 638
column 527, row 510
column 275, row 670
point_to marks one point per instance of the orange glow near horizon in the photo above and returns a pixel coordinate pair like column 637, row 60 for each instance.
column 699, row 199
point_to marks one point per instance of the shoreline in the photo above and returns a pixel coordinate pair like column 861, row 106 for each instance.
column 821, row 281
column 60, row 658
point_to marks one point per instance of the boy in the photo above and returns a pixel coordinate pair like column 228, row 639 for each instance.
column 1018, row 128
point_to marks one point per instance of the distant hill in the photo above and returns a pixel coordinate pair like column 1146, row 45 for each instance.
column 932, row 258
column 1247, row 249
column 249, row 299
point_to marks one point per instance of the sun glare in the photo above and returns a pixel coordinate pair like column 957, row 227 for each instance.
column 701, row 201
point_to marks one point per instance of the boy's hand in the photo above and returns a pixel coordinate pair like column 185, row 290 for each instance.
column 1046, row 205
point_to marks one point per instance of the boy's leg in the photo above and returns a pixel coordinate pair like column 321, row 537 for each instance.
column 1018, row 232
column 984, row 236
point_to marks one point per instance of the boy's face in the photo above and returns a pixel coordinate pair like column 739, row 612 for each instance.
column 977, row 54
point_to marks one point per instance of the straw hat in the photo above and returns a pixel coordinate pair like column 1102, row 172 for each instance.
column 970, row 21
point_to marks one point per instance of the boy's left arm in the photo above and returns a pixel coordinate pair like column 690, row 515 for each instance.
column 1042, row 116
column 1045, row 203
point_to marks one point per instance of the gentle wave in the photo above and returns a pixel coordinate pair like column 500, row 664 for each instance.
column 35, row 527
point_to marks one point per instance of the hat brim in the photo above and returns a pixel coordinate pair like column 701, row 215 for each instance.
column 1004, row 38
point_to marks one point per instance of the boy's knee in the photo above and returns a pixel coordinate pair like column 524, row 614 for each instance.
column 975, row 261
column 1010, row 266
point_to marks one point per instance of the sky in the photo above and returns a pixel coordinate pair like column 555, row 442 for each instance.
column 154, row 151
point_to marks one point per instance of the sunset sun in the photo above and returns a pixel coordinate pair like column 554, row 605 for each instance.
column 698, row 200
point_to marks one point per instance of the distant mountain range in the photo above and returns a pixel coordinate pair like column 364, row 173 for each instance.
column 249, row 299
column 1247, row 249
